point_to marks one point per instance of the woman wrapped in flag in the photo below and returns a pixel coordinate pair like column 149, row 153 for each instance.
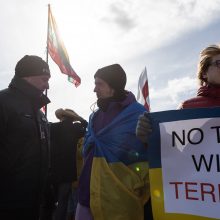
column 114, row 182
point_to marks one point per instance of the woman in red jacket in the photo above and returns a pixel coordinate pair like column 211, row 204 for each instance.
column 208, row 94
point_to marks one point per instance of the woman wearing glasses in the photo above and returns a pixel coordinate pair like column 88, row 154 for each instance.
column 208, row 94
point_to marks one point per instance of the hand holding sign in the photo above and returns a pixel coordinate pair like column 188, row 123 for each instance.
column 143, row 129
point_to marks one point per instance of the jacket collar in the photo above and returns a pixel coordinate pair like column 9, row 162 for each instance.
column 126, row 99
column 37, row 98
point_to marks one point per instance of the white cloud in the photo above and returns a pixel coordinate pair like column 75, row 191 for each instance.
column 122, row 17
column 98, row 33
column 177, row 90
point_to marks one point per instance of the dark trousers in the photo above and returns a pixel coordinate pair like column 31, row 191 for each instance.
column 63, row 192
column 19, row 214
column 148, row 215
column 55, row 202
column 48, row 204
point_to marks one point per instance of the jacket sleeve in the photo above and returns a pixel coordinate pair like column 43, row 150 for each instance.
column 3, row 122
column 80, row 128
column 8, row 154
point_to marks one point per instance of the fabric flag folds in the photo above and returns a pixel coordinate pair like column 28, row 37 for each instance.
column 119, row 185
column 58, row 52
column 143, row 90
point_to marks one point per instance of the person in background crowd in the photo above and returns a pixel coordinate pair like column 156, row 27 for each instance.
column 24, row 140
column 73, row 198
column 64, row 136
column 114, row 180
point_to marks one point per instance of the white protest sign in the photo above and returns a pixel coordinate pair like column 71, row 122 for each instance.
column 190, row 157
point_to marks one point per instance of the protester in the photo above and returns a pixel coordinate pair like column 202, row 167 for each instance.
column 208, row 94
column 73, row 198
column 24, row 140
column 114, row 182
column 64, row 136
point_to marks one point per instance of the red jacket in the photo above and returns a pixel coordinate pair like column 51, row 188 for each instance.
column 207, row 96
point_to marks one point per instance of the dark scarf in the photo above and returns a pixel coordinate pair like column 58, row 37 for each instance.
column 36, row 97
column 103, row 104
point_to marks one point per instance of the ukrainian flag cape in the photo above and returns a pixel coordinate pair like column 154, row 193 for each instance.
column 119, row 178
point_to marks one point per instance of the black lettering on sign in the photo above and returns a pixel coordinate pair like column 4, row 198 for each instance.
column 210, row 162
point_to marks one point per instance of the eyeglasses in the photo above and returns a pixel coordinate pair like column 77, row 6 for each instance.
column 215, row 63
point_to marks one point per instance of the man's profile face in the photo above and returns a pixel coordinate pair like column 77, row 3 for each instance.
column 102, row 89
column 41, row 82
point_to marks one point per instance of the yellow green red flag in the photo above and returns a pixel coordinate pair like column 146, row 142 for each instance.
column 58, row 52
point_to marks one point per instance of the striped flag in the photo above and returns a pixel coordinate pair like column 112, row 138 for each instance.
column 58, row 52
column 143, row 90
column 43, row 109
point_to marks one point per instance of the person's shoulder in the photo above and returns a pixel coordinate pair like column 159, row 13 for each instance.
column 63, row 127
column 132, row 102
column 6, row 95
column 4, row 92
column 137, row 106
column 133, row 110
column 195, row 102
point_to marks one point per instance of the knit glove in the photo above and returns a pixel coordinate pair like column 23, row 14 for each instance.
column 144, row 128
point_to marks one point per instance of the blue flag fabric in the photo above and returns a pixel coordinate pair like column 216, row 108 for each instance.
column 119, row 181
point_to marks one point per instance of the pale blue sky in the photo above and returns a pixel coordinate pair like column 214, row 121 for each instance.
column 165, row 36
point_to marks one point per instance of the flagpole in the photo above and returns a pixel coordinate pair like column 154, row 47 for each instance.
column 47, row 50
column 49, row 145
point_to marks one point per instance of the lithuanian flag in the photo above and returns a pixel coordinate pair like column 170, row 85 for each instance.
column 58, row 52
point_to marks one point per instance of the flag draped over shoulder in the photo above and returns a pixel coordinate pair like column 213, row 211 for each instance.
column 58, row 52
column 143, row 90
column 119, row 184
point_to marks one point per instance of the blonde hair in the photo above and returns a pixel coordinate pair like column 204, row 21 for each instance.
column 206, row 56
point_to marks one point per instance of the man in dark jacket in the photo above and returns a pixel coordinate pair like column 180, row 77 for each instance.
column 64, row 138
column 23, row 140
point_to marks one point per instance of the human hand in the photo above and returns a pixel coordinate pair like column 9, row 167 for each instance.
column 143, row 128
column 63, row 114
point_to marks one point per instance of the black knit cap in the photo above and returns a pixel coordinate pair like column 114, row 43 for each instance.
column 114, row 76
column 31, row 65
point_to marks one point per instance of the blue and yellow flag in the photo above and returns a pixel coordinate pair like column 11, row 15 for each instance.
column 119, row 180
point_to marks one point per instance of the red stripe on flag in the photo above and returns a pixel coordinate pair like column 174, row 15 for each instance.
column 54, row 54
column 145, row 93
column 43, row 109
column 143, row 90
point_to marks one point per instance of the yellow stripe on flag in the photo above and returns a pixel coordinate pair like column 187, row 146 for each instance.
column 118, row 191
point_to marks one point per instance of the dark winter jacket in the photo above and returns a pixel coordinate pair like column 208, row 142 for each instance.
column 23, row 145
column 64, row 139
column 207, row 96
